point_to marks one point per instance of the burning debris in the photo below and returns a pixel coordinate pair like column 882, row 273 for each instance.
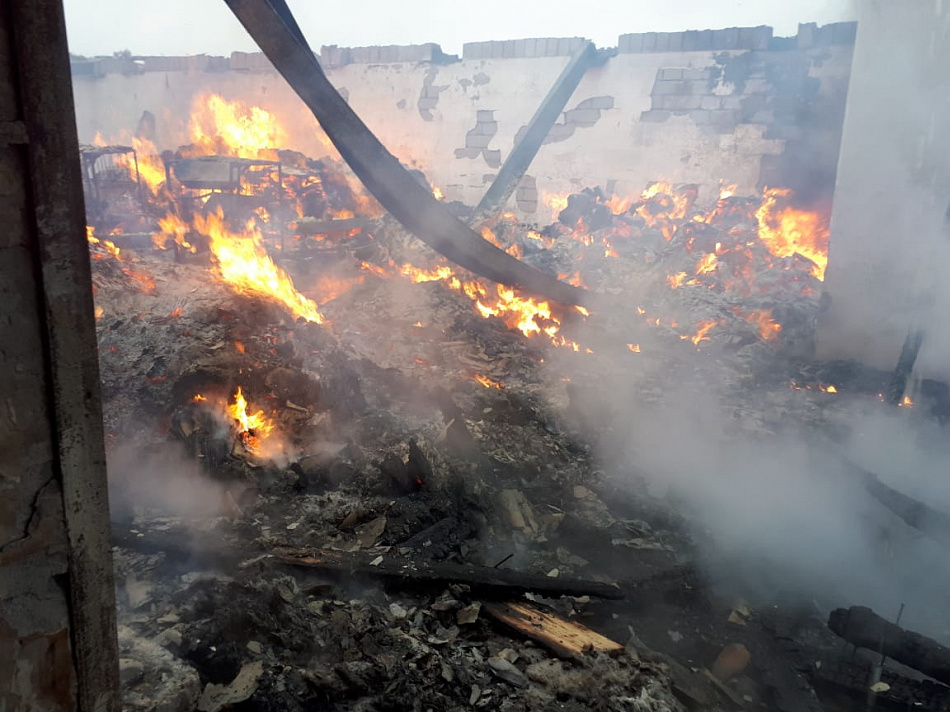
column 395, row 458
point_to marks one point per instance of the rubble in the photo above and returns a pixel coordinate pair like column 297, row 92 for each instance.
column 406, row 504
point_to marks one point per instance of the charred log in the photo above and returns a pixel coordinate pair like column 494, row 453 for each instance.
column 862, row 627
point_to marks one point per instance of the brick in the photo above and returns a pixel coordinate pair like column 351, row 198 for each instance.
column 678, row 102
column 582, row 117
column 726, row 39
column 671, row 74
column 475, row 140
column 710, row 102
column 763, row 36
column 730, row 101
column 696, row 74
column 655, row 116
column 667, row 88
column 649, row 41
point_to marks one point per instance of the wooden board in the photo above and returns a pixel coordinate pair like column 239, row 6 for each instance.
column 564, row 637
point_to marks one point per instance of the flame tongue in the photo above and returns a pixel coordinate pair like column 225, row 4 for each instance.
column 253, row 427
column 245, row 265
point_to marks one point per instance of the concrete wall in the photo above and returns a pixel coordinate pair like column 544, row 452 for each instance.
column 889, row 239
column 693, row 107
column 57, row 606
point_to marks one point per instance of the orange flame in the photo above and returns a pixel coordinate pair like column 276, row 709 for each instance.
column 487, row 382
column 232, row 128
column 705, row 326
column 245, row 265
column 787, row 231
column 253, row 428
column 768, row 328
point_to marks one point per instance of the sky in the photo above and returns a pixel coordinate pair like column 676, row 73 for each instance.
column 177, row 27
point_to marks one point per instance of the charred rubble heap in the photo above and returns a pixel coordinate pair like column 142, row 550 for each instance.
column 348, row 475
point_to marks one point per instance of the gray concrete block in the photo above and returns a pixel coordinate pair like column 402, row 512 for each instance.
column 678, row 102
column 690, row 40
column 486, row 128
column 667, row 88
column 700, row 117
column 427, row 102
column 492, row 158
column 636, row 43
column 475, row 140
column 520, row 48
column 482, row 115
column 843, row 33
column 559, row 132
column 671, row 74
column 565, row 45
column 697, row 87
column 731, row 101
column 704, row 40
column 509, row 49
column 710, row 102
column 696, row 74
column 597, row 102
column 582, row 117
column 655, row 116
column 649, row 41
column 676, row 42
column 806, row 35
column 726, row 39
column 762, row 38
column 531, row 47
column 623, row 44
column 746, row 37
column 467, row 152
column 662, row 42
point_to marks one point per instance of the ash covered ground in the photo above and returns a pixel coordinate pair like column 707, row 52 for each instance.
column 312, row 488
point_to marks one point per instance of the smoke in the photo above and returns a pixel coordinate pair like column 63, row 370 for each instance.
column 165, row 482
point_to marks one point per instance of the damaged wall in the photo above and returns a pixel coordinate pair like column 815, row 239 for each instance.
column 889, row 234
column 737, row 105
column 57, row 617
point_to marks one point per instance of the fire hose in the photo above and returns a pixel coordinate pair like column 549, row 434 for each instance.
column 273, row 27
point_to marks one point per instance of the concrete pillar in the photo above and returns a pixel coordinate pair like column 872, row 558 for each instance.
column 57, row 610
column 890, row 244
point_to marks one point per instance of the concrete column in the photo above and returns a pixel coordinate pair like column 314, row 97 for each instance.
column 890, row 244
column 57, row 609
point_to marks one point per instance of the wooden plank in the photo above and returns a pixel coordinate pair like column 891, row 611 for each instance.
column 564, row 637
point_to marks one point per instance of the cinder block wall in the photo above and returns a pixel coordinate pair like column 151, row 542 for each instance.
column 736, row 105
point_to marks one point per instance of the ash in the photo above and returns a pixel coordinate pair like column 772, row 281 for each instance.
column 428, row 454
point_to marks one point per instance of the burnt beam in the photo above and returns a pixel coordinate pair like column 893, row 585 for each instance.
column 515, row 166
column 272, row 27
column 863, row 628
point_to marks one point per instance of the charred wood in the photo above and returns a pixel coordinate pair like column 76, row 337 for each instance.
column 862, row 627
column 481, row 580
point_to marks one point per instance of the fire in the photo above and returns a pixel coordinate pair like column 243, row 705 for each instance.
column 786, row 231
column 149, row 163
column 827, row 389
column 705, row 326
column 439, row 274
column 675, row 280
column 437, row 193
column 906, row 402
column 487, row 382
column 253, row 428
column 231, row 128
column 635, row 348
column 768, row 328
column 245, row 265
column 707, row 264
column 174, row 226
column 198, row 398
column 556, row 204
